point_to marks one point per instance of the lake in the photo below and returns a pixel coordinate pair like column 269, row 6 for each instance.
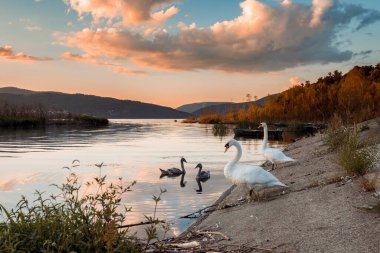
column 132, row 149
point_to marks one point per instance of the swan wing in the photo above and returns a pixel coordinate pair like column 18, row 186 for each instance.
column 275, row 154
column 252, row 174
column 205, row 174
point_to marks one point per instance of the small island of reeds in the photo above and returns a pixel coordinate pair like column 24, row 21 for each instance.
column 33, row 117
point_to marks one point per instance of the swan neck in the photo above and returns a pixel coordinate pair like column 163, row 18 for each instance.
column 265, row 141
column 199, row 171
column 238, row 154
column 182, row 166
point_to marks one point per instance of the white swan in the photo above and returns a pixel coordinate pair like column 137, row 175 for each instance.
column 274, row 155
column 249, row 175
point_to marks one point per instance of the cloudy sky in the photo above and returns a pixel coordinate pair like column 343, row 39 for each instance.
column 172, row 52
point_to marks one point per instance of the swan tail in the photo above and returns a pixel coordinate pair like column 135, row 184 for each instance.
column 289, row 159
column 163, row 172
column 281, row 184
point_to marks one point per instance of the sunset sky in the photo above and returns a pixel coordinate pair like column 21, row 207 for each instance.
column 173, row 52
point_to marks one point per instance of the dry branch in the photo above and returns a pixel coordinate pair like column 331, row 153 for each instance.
column 141, row 223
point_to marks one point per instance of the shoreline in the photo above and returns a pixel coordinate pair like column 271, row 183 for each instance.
column 324, row 210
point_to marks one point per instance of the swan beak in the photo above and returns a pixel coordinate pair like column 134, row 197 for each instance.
column 227, row 146
column 260, row 126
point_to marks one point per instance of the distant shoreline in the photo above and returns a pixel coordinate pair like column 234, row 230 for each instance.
column 30, row 123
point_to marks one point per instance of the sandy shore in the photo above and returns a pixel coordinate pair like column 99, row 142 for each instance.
column 324, row 210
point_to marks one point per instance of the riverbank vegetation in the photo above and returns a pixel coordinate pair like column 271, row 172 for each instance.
column 26, row 117
column 356, row 156
column 354, row 97
column 76, row 220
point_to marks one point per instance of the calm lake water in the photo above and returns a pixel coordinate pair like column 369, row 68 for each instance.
column 131, row 149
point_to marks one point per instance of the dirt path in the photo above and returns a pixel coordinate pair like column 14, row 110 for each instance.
column 323, row 211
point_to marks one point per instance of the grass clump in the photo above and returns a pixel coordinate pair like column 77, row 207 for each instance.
column 190, row 120
column 92, row 121
column 355, row 157
column 369, row 184
column 220, row 129
column 69, row 222
column 211, row 118
column 336, row 133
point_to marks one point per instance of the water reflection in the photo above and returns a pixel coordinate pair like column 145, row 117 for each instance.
column 182, row 183
column 220, row 130
column 131, row 149
column 199, row 190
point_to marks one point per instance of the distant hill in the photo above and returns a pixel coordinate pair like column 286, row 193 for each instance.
column 190, row 108
column 226, row 107
column 88, row 104
column 16, row 91
column 336, row 97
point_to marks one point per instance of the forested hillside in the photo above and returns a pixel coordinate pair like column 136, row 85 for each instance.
column 353, row 97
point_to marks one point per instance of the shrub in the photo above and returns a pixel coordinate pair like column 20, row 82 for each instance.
column 211, row 118
column 68, row 222
column 336, row 137
column 356, row 158
column 189, row 120
column 336, row 133
column 90, row 121
column 369, row 184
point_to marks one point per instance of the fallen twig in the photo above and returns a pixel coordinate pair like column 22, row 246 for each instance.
column 242, row 246
column 212, row 233
column 141, row 223
column 191, row 215
column 185, row 245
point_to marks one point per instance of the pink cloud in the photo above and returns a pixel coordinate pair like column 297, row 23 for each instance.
column 126, row 71
column 132, row 12
column 79, row 58
column 294, row 81
column 116, row 68
column 319, row 8
column 262, row 38
column 6, row 52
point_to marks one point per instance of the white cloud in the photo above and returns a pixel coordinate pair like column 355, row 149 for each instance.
column 132, row 12
column 294, row 81
column 319, row 8
column 262, row 38
column 33, row 28
column 29, row 25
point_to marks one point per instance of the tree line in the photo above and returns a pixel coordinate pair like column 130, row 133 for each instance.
column 353, row 97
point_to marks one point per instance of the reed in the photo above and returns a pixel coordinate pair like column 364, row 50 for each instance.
column 31, row 117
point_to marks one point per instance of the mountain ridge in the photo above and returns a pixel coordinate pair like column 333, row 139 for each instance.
column 88, row 104
column 224, row 108
column 190, row 108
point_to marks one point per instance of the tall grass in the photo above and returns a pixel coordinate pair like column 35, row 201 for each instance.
column 220, row 129
column 211, row 118
column 190, row 120
column 72, row 222
column 36, row 116
column 356, row 157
